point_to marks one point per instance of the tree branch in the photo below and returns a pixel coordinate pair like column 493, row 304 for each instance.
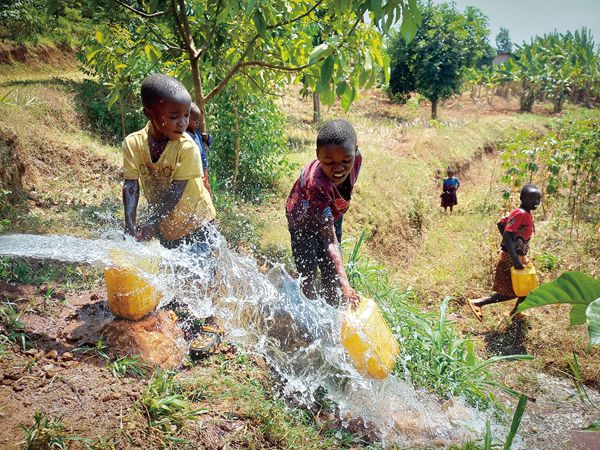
column 139, row 13
column 295, row 19
column 218, row 88
column 259, row 87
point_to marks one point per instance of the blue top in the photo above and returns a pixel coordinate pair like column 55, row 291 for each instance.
column 451, row 183
column 198, row 140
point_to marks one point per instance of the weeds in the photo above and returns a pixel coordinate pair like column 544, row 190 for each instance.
column 575, row 374
column 121, row 366
column 127, row 365
column 10, row 319
column 547, row 261
column 165, row 404
column 20, row 270
column 47, row 433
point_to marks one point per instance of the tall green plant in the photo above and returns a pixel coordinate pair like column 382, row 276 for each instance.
column 433, row 354
column 577, row 289
column 558, row 65
column 256, row 125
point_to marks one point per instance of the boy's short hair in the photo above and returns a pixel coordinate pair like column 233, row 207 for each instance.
column 529, row 189
column 194, row 109
column 337, row 132
column 160, row 86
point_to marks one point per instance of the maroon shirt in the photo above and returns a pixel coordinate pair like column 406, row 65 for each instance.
column 315, row 200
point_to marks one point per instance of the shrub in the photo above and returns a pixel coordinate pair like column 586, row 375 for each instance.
column 262, row 158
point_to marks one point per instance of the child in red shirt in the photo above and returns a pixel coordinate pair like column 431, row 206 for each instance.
column 315, row 209
column 516, row 230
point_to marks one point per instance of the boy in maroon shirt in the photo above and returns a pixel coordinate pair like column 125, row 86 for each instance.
column 315, row 209
column 516, row 231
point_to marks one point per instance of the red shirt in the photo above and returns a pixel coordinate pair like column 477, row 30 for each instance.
column 520, row 223
column 315, row 199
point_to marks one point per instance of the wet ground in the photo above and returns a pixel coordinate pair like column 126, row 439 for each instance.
column 53, row 376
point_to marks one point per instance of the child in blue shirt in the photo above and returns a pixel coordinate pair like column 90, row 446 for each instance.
column 202, row 140
column 449, row 188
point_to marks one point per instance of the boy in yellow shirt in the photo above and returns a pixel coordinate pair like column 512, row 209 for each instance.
column 163, row 159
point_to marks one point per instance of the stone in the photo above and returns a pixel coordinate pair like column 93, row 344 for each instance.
column 156, row 338
column 52, row 354
column 67, row 356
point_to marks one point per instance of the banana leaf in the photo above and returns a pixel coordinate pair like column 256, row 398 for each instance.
column 576, row 288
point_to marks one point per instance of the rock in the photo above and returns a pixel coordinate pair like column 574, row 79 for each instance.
column 156, row 338
column 67, row 356
column 32, row 352
column 52, row 354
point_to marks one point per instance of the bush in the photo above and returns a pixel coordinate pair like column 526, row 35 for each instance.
column 105, row 121
column 263, row 148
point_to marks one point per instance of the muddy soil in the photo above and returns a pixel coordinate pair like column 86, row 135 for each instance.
column 51, row 375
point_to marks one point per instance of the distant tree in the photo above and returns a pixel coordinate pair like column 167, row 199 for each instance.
column 434, row 62
column 503, row 42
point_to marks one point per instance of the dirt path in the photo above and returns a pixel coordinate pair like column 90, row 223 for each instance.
column 465, row 247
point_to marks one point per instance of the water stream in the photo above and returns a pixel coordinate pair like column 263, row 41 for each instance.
column 267, row 314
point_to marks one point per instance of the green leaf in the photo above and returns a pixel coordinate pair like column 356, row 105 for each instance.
column 415, row 11
column 593, row 318
column 326, row 72
column 250, row 7
column 571, row 287
column 317, row 53
column 514, row 426
column 577, row 315
column 408, row 27
column 348, row 97
column 260, row 24
column 328, row 95
column 376, row 7
column 100, row 37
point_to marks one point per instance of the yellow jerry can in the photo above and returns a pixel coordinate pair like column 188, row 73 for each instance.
column 523, row 281
column 130, row 294
column 369, row 340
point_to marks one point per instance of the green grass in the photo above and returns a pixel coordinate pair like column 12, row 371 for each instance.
column 165, row 404
column 10, row 318
column 64, row 275
column 433, row 354
column 47, row 433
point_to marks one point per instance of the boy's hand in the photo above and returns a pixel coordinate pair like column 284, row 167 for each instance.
column 518, row 264
column 145, row 232
column 350, row 296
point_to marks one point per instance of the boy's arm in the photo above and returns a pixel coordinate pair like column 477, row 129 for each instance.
column 333, row 251
column 167, row 205
column 508, row 241
column 131, row 195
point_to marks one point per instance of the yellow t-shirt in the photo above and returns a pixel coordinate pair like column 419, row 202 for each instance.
column 179, row 161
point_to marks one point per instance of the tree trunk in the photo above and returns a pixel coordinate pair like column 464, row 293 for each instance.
column 122, row 113
column 434, row 105
column 200, row 101
column 587, row 94
column 237, row 147
column 316, row 107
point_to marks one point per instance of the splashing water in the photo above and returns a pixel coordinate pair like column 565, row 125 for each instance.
column 266, row 313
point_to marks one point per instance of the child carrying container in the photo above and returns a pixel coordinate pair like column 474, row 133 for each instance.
column 164, row 160
column 516, row 230
column 315, row 208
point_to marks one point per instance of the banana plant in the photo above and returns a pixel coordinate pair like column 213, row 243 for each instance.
column 577, row 289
